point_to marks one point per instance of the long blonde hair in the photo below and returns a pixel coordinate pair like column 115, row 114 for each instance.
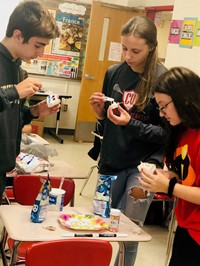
column 143, row 27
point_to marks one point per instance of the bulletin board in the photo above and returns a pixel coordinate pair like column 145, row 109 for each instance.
column 64, row 56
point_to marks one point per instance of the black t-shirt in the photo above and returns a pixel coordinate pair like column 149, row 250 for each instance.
column 144, row 138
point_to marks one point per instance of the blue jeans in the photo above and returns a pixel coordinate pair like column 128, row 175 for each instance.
column 135, row 209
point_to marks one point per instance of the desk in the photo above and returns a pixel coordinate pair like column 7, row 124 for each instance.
column 17, row 224
column 62, row 168
column 53, row 133
column 59, row 169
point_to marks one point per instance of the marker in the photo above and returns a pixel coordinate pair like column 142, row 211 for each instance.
column 94, row 235
column 112, row 235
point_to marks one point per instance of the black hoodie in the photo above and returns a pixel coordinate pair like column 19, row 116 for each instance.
column 13, row 115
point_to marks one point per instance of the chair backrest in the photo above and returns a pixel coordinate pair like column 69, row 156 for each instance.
column 68, row 252
column 26, row 188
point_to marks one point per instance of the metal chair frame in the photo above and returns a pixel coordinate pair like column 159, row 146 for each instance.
column 88, row 177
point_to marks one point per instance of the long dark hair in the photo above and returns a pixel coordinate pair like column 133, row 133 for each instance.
column 144, row 28
column 183, row 86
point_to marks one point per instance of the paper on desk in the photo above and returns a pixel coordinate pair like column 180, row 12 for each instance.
column 34, row 138
column 29, row 163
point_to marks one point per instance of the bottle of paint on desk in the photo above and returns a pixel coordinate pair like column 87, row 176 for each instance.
column 114, row 220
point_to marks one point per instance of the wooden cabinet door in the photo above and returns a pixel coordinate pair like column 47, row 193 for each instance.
column 105, row 27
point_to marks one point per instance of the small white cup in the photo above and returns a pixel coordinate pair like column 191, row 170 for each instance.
column 56, row 199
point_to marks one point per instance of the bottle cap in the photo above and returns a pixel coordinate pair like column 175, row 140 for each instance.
column 115, row 212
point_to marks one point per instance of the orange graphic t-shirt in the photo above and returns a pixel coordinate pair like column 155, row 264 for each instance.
column 187, row 162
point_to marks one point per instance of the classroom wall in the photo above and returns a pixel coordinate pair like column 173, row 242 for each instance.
column 163, row 33
column 6, row 8
column 133, row 3
column 176, row 55
column 71, row 87
column 159, row 2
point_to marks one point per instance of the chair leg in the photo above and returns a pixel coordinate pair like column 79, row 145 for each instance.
column 2, row 246
column 168, row 218
column 13, row 258
column 170, row 236
column 167, row 212
column 121, row 253
column 6, row 198
column 88, row 177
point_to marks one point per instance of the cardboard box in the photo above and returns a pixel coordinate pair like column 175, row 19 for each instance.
column 37, row 127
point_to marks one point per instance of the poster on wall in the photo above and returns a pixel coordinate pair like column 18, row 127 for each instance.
column 71, row 28
column 115, row 52
column 175, row 30
column 187, row 32
column 196, row 41
column 60, row 66
column 64, row 56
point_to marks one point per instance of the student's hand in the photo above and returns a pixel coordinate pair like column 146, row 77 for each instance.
column 156, row 182
column 41, row 109
column 28, row 87
column 97, row 102
column 118, row 116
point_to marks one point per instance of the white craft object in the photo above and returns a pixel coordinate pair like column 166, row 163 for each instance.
column 52, row 100
column 150, row 167
column 114, row 105
column 108, row 99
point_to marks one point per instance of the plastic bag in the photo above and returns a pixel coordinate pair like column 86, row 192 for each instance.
column 39, row 209
column 37, row 149
column 27, row 163
column 102, row 197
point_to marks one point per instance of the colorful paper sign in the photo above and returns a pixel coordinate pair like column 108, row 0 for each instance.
column 187, row 32
column 60, row 66
column 115, row 52
column 196, row 41
column 175, row 31
column 69, row 42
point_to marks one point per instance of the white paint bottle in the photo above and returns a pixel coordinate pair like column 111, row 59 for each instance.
column 114, row 220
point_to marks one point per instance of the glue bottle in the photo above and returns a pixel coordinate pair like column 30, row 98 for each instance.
column 114, row 220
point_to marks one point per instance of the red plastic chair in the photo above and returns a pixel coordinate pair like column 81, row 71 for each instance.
column 165, row 199
column 68, row 252
column 25, row 189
